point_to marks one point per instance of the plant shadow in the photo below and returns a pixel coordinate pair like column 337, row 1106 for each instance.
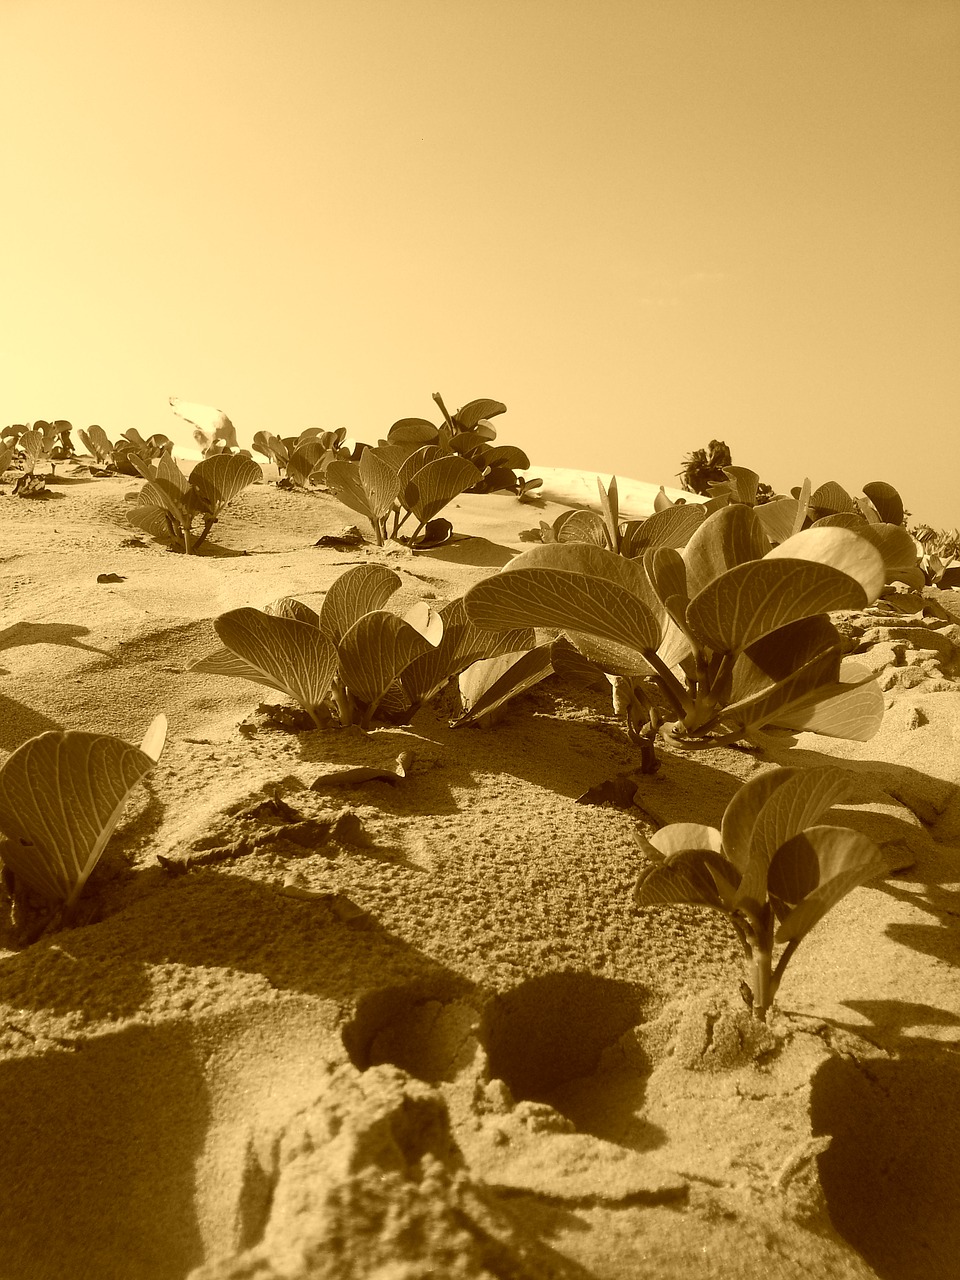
column 19, row 723
column 890, row 1172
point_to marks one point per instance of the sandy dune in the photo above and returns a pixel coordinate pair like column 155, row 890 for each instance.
column 455, row 1048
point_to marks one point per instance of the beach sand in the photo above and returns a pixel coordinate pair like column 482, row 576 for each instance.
column 452, row 1048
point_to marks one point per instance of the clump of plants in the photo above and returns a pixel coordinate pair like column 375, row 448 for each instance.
column 939, row 555
column 716, row 642
column 354, row 660
column 304, row 457
column 41, row 442
column 169, row 506
column 770, row 869
column 119, row 456
column 61, row 797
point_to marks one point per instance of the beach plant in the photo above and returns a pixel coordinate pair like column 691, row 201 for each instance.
column 719, row 641
column 703, row 467
column 118, row 456
column 169, row 505
column 353, row 660
column 45, row 442
column 304, row 457
column 771, row 868
column 391, row 481
column 61, row 796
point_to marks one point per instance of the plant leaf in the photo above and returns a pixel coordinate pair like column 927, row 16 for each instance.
column 344, row 479
column 298, row 658
column 831, row 498
column 425, row 620
column 814, row 870
column 153, row 740
column 725, row 539
column 488, row 684
column 304, row 460
column 779, row 518
column 584, row 526
column 462, row 644
column 224, row 662
column 753, row 599
column 438, row 483
column 218, row 480
column 740, row 815
column 899, row 552
column 685, row 878
column 677, row 837
column 380, row 482
column 567, row 601
column 887, row 501
column 672, row 527
column 843, row 549
column 363, row 589
column 374, row 651
column 289, row 607
column 793, row 806
column 852, row 708
column 61, row 796
column 416, row 431
column 476, row 410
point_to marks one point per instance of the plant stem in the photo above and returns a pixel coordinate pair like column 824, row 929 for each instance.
column 343, row 702
column 668, row 682
column 443, row 409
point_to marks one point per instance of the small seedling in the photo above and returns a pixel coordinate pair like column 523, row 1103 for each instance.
column 61, row 796
column 169, row 505
column 769, row 869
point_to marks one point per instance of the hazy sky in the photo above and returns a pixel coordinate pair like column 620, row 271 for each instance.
column 639, row 223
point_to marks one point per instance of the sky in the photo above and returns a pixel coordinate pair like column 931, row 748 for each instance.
column 641, row 224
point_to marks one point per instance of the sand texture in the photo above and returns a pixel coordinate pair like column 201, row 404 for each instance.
column 444, row 1042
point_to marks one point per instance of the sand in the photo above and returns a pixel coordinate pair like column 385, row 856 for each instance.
column 453, row 1047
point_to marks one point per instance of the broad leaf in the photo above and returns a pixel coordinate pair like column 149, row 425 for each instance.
column 611, row 657
column 506, row 456
column 792, row 807
column 365, row 588
column 584, row 526
column 899, row 552
column 674, row 526
column 729, row 537
column 667, row 574
column 488, row 684
column 294, row 656
column 219, row 479
column 685, row 878
column 374, row 651
column 740, row 815
column 289, row 607
column 676, row 837
column 305, row 459
column 754, row 599
column 567, row 601
column 831, row 497
column 779, row 518
column 814, row 870
column 224, row 662
column 425, row 620
column 416, row 461
column 61, row 796
column 887, row 501
column 852, row 708
column 744, row 484
column 380, row 482
column 476, row 411
column 415, row 431
column 436, row 484
column 462, row 644
column 842, row 549
column 344, row 479
column 595, row 562
column 782, row 653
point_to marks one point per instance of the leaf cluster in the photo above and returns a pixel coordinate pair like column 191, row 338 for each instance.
column 730, row 633
column 42, row 442
column 119, row 456
column 354, row 659
column 770, row 868
column 419, row 468
column 304, row 457
column 169, row 505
